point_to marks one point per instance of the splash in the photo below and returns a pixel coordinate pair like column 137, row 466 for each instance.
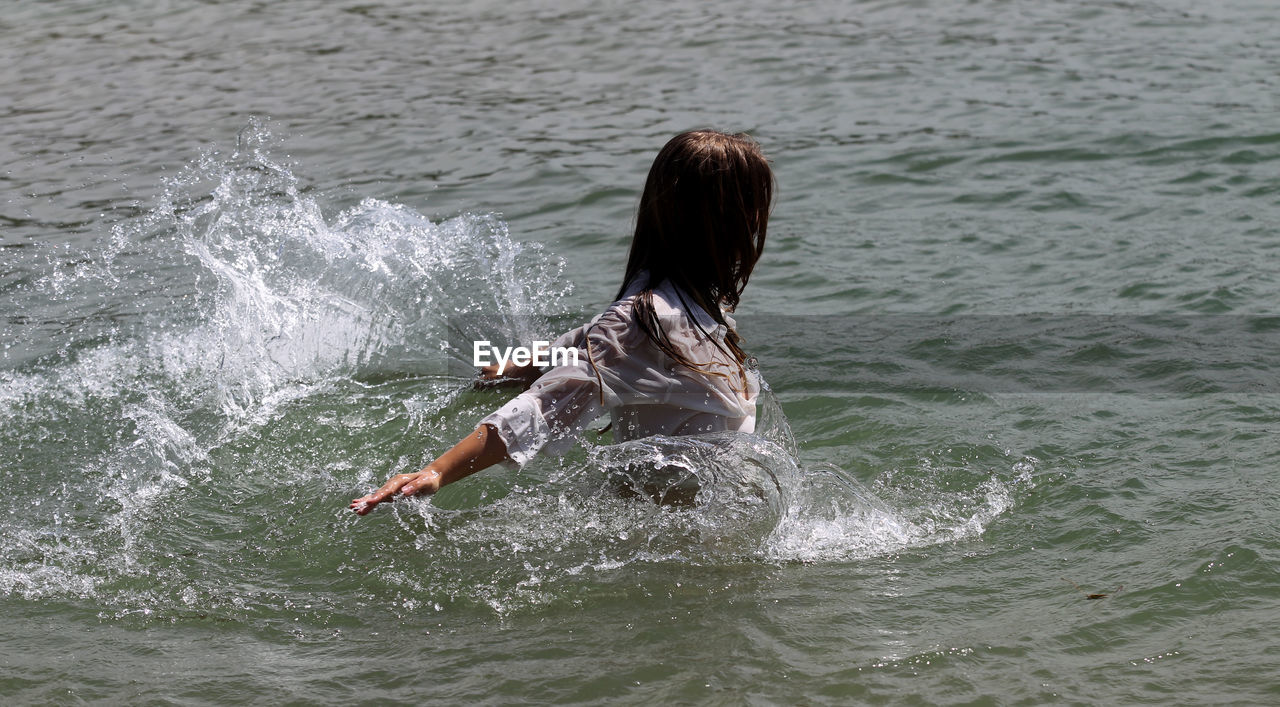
column 238, row 363
column 710, row 500
column 190, row 333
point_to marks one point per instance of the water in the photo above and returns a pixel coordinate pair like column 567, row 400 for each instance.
column 1016, row 313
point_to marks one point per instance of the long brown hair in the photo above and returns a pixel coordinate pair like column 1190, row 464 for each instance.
column 701, row 224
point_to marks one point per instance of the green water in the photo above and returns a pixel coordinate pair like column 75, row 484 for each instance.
column 1017, row 311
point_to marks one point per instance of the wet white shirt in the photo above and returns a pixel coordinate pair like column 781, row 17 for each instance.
column 621, row 371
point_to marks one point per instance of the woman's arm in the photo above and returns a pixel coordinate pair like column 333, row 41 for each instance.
column 479, row 450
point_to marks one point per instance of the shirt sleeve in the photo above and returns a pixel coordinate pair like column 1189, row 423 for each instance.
column 559, row 405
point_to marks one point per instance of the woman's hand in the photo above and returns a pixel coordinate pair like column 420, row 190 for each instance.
column 479, row 450
column 426, row 481
column 490, row 372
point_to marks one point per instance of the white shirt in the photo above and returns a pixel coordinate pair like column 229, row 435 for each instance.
column 621, row 371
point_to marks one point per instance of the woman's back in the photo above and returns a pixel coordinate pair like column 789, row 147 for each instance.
column 621, row 370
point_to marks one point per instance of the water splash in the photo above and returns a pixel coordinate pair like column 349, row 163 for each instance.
column 240, row 361
column 706, row 500
column 191, row 332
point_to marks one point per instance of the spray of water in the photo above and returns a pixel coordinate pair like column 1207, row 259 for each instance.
column 234, row 365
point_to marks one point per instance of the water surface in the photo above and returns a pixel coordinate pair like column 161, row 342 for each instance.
column 1016, row 311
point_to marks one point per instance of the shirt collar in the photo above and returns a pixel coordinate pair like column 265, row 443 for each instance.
column 674, row 296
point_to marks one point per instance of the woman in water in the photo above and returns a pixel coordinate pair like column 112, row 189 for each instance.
column 664, row 358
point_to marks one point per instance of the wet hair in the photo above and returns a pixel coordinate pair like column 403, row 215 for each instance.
column 701, row 224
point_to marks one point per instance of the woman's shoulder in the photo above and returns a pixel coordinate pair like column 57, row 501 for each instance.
column 671, row 301
column 672, row 305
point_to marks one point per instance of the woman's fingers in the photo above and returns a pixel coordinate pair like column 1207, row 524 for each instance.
column 364, row 504
column 389, row 489
column 424, row 482
column 403, row 484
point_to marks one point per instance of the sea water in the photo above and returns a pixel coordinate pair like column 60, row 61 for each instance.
column 1015, row 326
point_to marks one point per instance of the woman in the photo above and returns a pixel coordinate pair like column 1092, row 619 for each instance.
column 664, row 358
